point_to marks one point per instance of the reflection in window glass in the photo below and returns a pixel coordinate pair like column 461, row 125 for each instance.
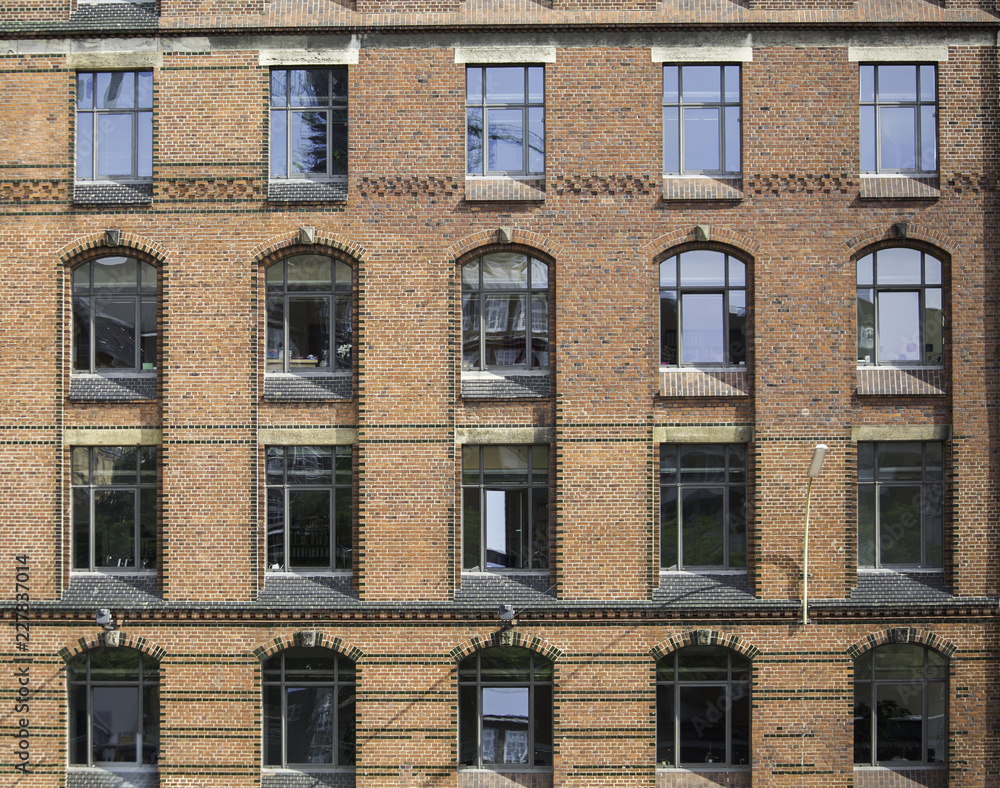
column 505, row 115
column 701, row 119
column 309, row 123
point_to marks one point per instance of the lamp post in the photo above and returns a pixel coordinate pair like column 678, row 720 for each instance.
column 819, row 454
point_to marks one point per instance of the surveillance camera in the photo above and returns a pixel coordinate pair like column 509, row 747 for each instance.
column 506, row 612
column 102, row 617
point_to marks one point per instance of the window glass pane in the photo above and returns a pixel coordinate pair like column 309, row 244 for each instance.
column 471, row 529
column 900, row 722
column 147, row 344
column 344, row 349
column 279, row 80
column 671, row 141
column 150, row 724
column 502, row 664
column 732, row 83
column 468, row 725
column 668, row 273
column 81, row 334
column 867, row 138
column 933, row 342
column 116, row 90
column 114, row 528
column 899, row 265
column 937, row 722
column 740, row 725
column 668, row 528
column 899, row 661
column 272, row 726
column 928, row 83
column 308, row 87
column 344, row 530
column 866, row 461
column 309, row 333
column 862, row 724
column 279, row 146
column 900, row 461
column 310, row 664
column 737, row 528
column 148, row 277
column 536, row 84
column 310, row 718
column 309, row 465
column 933, row 525
column 78, row 725
column 114, row 145
column 309, row 140
column 338, row 143
column 867, row 83
column 928, row 138
column 702, row 663
column 899, row 524
column 505, row 85
column 703, row 517
column 539, row 330
column 665, row 725
column 543, row 725
column 505, row 724
column 346, row 734
column 732, row 139
column 536, row 139
column 276, row 529
column 702, row 328
column 115, row 274
column 937, row 666
column 737, row 272
column 85, row 145
column 474, row 85
column 737, row 349
column 897, row 138
column 309, row 272
column 701, row 83
column 147, row 529
column 505, row 463
column 506, row 140
column 671, row 93
column 81, row 529
column 275, row 334
column 702, row 267
column 505, row 525
column 115, row 724
column 899, row 326
column 897, row 83
column 309, row 528
column 702, row 717
column 866, row 525
column 539, row 275
column 540, row 464
column 701, row 139
column 144, row 145
column 505, row 340
column 114, row 333
column 866, row 326
column 474, row 140
column 668, row 328
column 84, row 91
column 505, row 270
column 703, row 462
column 539, row 546
column 470, row 331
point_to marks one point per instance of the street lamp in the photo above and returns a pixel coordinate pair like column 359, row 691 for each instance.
column 819, row 454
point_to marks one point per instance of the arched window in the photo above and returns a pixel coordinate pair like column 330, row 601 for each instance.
column 505, row 312
column 900, row 308
column 703, row 708
column 309, row 709
column 900, row 706
column 703, row 309
column 114, row 315
column 114, row 708
column 310, row 326
column 505, row 710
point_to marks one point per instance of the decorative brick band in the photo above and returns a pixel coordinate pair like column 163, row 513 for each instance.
column 308, row 639
column 704, row 637
column 873, row 381
column 519, row 639
column 116, row 638
column 920, row 637
column 685, row 382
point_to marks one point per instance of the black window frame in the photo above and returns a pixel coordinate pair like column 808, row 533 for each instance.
column 340, row 678
column 734, row 698
column 875, row 736
column 871, row 487
column 538, row 680
column 339, row 309
column 335, row 106
column 535, row 534
column 680, row 106
column 735, row 326
column 87, row 324
column 728, row 490
column 932, row 268
column 278, row 495
column 533, row 346
column 483, row 106
column 88, row 121
column 81, row 691
column 84, row 494
column 877, row 104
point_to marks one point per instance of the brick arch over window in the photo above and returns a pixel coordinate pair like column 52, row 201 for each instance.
column 721, row 238
column 901, row 234
column 518, row 640
column 486, row 241
column 911, row 635
column 704, row 637
column 286, row 244
column 115, row 639
column 100, row 244
column 308, row 639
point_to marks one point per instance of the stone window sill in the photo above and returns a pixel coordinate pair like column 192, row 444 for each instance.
column 504, row 189
column 702, row 187
column 899, row 187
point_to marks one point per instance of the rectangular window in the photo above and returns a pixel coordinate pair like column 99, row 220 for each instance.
column 310, row 512
column 309, row 123
column 114, row 126
column 898, row 105
column 701, row 120
column 703, row 495
column 505, row 508
column 114, row 508
column 505, row 120
column 900, row 504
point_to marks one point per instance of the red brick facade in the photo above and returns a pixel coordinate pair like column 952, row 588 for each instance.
column 799, row 214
